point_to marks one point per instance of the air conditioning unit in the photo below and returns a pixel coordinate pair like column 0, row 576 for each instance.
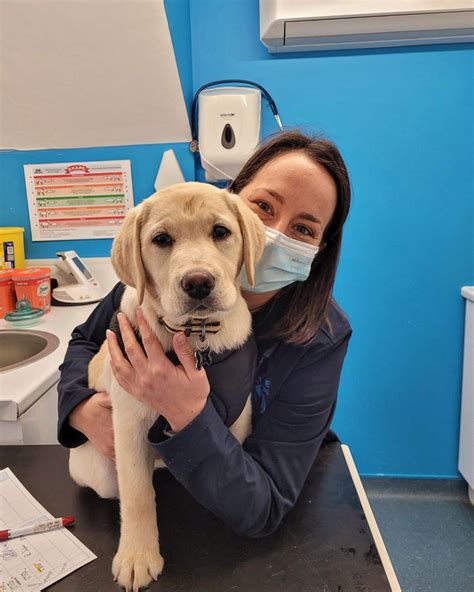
column 312, row 25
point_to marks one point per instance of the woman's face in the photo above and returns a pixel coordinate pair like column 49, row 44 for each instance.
column 294, row 195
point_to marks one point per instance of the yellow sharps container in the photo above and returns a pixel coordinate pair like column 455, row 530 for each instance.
column 12, row 248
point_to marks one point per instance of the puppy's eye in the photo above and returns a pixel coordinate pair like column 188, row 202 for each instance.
column 163, row 240
column 220, row 232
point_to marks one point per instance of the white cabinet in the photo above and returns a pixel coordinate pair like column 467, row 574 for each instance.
column 466, row 442
column 37, row 425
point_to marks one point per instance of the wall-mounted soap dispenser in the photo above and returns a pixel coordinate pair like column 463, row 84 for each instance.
column 227, row 129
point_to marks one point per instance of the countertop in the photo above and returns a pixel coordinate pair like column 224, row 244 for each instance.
column 329, row 542
column 21, row 387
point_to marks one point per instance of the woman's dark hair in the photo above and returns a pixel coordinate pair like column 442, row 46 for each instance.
column 308, row 300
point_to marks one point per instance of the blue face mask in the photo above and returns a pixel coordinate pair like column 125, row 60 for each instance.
column 284, row 261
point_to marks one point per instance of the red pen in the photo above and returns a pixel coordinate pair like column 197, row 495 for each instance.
column 33, row 528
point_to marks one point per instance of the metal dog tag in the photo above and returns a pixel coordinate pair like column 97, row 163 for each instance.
column 203, row 357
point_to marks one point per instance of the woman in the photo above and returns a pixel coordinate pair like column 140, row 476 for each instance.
column 299, row 187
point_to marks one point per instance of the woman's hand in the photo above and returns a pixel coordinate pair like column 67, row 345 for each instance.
column 179, row 393
column 93, row 417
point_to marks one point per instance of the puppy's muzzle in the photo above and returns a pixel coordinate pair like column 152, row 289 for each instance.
column 198, row 285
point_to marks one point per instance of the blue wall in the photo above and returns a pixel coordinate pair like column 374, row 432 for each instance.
column 403, row 121
column 145, row 159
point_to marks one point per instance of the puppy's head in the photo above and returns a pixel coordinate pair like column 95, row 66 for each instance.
column 185, row 246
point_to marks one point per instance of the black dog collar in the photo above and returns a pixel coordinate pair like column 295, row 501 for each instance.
column 201, row 326
column 202, row 354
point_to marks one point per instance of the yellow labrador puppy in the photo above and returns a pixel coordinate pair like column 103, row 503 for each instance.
column 179, row 252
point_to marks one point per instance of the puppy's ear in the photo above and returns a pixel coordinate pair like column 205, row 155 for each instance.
column 253, row 234
column 126, row 251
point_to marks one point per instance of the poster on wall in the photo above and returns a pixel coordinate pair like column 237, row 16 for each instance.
column 78, row 200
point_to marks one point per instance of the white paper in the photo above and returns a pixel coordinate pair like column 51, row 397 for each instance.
column 169, row 172
column 89, row 73
column 78, row 200
column 33, row 562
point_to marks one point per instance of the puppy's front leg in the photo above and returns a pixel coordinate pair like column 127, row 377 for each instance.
column 138, row 560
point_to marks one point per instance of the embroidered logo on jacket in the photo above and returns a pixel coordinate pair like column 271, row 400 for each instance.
column 261, row 392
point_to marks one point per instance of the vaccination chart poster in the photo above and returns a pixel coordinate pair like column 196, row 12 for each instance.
column 78, row 200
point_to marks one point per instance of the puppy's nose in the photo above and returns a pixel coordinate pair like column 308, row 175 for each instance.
column 198, row 285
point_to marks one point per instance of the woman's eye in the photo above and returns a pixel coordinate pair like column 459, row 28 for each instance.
column 220, row 232
column 304, row 230
column 163, row 240
column 264, row 206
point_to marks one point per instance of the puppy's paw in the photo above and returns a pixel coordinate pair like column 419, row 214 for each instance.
column 134, row 568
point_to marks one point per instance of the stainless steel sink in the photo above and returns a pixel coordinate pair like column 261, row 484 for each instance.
column 18, row 348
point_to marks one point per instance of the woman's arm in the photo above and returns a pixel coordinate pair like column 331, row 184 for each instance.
column 73, row 386
column 252, row 487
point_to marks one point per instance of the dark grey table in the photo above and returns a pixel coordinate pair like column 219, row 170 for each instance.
column 323, row 545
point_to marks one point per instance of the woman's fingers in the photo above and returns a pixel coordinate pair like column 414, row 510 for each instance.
column 104, row 399
column 152, row 345
column 93, row 418
column 185, row 354
column 121, row 368
column 134, row 350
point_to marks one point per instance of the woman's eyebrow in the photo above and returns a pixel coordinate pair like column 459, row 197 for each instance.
column 281, row 199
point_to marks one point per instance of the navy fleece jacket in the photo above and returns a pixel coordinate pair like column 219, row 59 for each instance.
column 250, row 487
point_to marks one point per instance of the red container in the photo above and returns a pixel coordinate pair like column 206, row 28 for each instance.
column 7, row 292
column 33, row 283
